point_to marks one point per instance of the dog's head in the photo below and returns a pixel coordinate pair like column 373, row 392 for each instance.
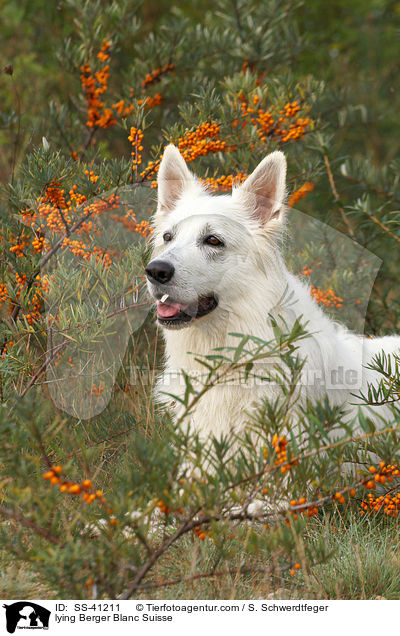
column 206, row 247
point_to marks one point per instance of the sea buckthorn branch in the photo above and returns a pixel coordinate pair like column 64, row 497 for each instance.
column 193, row 523
column 27, row 523
column 336, row 196
column 136, row 139
column 85, row 489
column 205, row 139
column 200, row 142
column 389, row 502
column 95, row 84
column 56, row 198
column 49, row 358
column 197, row 520
column 326, row 297
column 270, row 123
column 270, row 469
column 300, row 193
column 29, row 282
column 188, row 525
column 155, row 76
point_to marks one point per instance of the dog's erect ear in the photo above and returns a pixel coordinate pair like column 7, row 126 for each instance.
column 173, row 178
column 264, row 190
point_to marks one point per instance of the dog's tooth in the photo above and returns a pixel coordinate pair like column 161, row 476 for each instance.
column 164, row 298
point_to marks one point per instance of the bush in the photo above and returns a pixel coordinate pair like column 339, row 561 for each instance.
column 79, row 348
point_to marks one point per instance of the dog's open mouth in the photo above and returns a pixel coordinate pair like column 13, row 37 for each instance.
column 171, row 314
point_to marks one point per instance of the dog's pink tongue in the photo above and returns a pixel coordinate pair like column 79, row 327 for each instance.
column 165, row 310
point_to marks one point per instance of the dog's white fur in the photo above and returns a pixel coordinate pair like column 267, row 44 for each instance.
column 250, row 280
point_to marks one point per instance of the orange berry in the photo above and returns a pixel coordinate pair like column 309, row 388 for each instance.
column 75, row 489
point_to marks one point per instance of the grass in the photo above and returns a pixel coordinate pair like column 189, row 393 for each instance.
column 19, row 580
column 364, row 564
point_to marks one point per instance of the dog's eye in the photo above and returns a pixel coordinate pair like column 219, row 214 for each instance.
column 167, row 236
column 214, row 241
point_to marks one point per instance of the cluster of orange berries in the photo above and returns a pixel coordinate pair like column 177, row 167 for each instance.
column 97, row 390
column 143, row 228
column 129, row 222
column 224, row 182
column 18, row 248
column 53, row 213
column 92, row 176
column 279, row 445
column 75, row 198
column 85, row 488
column 150, row 102
column 163, row 507
column 155, row 76
column 385, row 473
column 201, row 534
column 58, row 358
column 95, row 84
column 40, row 288
column 309, row 510
column 38, row 244
column 198, row 531
column 51, row 219
column 295, row 131
column 103, row 54
column 151, row 168
column 307, row 271
column 198, row 143
column 8, row 345
column 389, row 504
column 327, row 298
column 202, row 141
column 79, row 248
column 3, row 293
column 290, row 109
column 265, row 123
column 122, row 109
column 34, row 302
column 55, row 195
column 295, row 568
column 136, row 139
column 300, row 193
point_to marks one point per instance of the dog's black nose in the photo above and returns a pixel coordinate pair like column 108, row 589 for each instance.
column 160, row 271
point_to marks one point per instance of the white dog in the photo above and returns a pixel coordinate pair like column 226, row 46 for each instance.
column 216, row 270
